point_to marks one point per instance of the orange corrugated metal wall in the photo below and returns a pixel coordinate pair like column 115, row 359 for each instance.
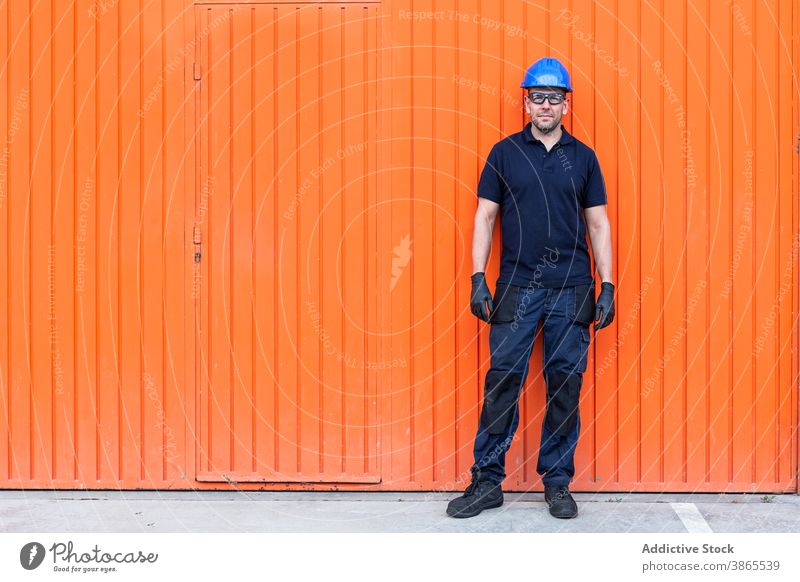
column 322, row 160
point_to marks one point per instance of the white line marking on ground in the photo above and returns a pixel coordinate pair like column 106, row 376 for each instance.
column 692, row 519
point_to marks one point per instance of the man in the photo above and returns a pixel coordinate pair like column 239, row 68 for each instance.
column 544, row 182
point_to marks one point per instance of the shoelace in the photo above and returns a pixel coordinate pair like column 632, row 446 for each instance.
column 471, row 487
column 562, row 492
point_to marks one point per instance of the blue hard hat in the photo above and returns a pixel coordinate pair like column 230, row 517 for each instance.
column 547, row 72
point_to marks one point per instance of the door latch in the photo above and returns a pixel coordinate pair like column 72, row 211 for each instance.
column 197, row 240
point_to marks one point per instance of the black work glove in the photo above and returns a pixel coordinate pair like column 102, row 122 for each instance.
column 604, row 310
column 479, row 297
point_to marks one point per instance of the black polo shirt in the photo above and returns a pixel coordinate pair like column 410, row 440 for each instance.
column 541, row 196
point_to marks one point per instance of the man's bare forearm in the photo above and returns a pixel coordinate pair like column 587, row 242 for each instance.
column 600, row 236
column 481, row 241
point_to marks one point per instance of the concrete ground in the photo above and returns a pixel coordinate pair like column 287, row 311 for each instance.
column 194, row 511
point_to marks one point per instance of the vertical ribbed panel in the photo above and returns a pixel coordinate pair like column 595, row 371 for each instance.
column 692, row 387
column 91, row 212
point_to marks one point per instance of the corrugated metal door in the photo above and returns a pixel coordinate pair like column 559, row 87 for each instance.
column 286, row 236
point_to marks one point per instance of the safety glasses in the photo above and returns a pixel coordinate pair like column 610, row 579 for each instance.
column 553, row 98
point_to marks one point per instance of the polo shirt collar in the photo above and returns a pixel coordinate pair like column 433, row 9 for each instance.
column 566, row 137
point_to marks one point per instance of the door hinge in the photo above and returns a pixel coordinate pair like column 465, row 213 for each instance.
column 196, row 71
column 197, row 240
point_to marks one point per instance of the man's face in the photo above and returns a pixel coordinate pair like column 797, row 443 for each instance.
column 545, row 116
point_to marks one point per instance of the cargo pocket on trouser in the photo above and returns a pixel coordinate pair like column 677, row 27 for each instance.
column 583, row 346
column 584, row 304
column 501, row 392
column 505, row 303
column 563, row 397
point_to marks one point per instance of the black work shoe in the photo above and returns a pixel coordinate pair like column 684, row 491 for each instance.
column 479, row 495
column 561, row 503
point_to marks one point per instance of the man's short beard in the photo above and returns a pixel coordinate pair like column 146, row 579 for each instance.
column 546, row 130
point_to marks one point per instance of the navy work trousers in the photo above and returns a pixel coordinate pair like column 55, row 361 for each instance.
column 566, row 313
